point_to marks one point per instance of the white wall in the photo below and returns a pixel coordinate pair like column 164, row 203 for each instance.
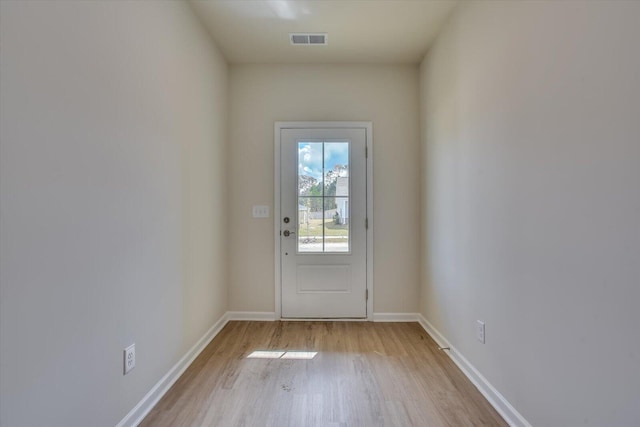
column 386, row 95
column 531, row 173
column 113, row 223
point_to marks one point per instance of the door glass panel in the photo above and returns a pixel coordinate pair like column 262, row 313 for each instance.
column 310, row 236
column 310, row 174
column 323, row 197
column 336, row 168
column 336, row 228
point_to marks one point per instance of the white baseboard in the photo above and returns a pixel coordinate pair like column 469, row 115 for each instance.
column 321, row 319
column 251, row 315
column 137, row 414
column 395, row 317
column 271, row 316
column 497, row 400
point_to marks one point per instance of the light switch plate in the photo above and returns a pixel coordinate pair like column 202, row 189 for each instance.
column 260, row 211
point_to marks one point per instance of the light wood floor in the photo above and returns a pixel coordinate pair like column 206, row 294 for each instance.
column 364, row 374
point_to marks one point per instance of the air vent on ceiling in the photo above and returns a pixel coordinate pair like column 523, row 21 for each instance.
column 315, row 39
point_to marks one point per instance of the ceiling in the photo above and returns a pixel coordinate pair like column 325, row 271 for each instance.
column 360, row 31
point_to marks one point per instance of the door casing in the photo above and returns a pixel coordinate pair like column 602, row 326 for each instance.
column 368, row 127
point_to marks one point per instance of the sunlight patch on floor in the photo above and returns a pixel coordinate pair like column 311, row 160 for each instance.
column 299, row 355
column 274, row 354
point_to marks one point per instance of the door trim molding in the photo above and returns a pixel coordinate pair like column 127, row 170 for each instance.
column 278, row 127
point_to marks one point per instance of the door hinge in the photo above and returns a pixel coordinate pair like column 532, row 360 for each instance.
column 366, row 223
column 366, row 294
column 366, row 151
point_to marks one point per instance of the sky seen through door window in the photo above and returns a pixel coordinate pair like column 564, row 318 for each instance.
column 311, row 157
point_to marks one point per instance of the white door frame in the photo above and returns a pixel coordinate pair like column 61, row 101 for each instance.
column 368, row 127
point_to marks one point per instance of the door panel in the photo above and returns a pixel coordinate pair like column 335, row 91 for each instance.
column 323, row 212
column 323, row 278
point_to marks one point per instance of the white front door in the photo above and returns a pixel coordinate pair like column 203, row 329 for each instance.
column 323, row 237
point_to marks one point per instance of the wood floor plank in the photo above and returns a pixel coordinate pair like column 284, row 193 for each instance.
column 364, row 374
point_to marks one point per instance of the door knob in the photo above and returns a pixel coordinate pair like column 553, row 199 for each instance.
column 287, row 233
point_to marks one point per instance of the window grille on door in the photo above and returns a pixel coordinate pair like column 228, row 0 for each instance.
column 323, row 197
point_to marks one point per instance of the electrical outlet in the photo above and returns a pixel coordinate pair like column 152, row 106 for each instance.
column 261, row 211
column 129, row 358
column 480, row 331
